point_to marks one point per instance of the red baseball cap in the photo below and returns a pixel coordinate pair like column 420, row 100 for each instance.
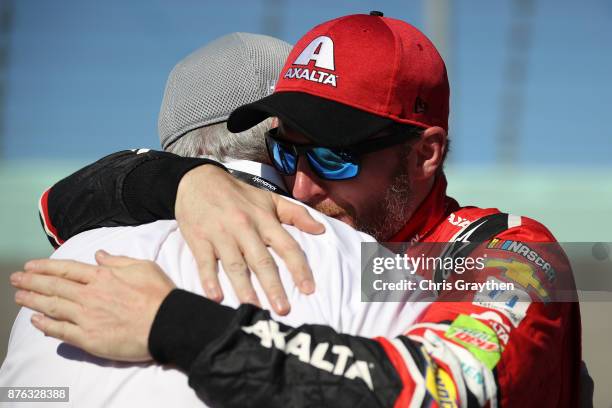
column 351, row 77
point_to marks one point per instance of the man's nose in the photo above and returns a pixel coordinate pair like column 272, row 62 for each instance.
column 307, row 187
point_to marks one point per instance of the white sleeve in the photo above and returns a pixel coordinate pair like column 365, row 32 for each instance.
column 34, row 360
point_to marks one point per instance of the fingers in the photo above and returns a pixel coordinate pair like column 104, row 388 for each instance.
column 264, row 266
column 65, row 331
column 206, row 260
column 47, row 285
column 72, row 270
column 103, row 258
column 236, row 269
column 298, row 216
column 289, row 250
column 52, row 306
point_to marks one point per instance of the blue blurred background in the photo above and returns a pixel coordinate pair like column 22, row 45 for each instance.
column 530, row 91
column 82, row 78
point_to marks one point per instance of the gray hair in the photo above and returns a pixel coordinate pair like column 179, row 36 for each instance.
column 218, row 143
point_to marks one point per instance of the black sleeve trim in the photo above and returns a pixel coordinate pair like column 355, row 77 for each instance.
column 149, row 191
column 130, row 187
column 185, row 324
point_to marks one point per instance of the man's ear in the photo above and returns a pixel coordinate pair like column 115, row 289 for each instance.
column 428, row 152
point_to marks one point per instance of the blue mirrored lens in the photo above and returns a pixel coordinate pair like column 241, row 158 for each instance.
column 284, row 159
column 332, row 165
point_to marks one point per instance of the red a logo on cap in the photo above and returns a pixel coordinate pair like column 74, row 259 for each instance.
column 321, row 50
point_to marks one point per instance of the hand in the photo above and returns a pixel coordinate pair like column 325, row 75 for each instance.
column 224, row 218
column 106, row 310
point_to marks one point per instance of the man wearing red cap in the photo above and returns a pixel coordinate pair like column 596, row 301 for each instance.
column 362, row 108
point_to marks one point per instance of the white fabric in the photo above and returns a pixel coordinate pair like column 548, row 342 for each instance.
column 36, row 360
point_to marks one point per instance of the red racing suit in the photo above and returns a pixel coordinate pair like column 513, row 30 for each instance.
column 495, row 348
column 539, row 342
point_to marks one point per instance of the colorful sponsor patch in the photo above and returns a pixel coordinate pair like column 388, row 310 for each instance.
column 478, row 378
column 511, row 303
column 494, row 320
column 526, row 252
column 521, row 273
column 439, row 384
column 476, row 337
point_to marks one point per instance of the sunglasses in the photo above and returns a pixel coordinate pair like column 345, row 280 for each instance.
column 326, row 162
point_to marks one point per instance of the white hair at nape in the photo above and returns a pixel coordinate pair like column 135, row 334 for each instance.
column 218, row 143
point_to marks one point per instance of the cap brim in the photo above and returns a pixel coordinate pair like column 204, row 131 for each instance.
column 325, row 122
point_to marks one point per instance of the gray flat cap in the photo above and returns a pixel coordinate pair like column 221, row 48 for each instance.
column 229, row 72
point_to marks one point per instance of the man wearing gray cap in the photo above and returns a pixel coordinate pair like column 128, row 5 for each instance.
column 204, row 88
column 201, row 92
column 189, row 125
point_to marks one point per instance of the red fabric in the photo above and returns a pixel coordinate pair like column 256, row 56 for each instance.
column 540, row 362
column 377, row 64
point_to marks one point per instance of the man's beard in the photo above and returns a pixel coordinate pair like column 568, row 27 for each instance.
column 383, row 219
column 390, row 214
